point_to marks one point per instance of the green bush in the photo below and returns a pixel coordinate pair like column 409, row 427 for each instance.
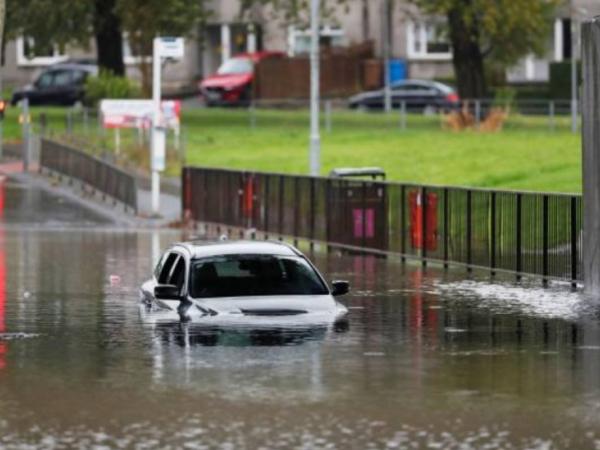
column 108, row 85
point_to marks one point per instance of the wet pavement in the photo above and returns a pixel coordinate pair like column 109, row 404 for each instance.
column 427, row 358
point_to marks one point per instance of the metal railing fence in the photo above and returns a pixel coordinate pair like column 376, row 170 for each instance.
column 521, row 232
column 100, row 175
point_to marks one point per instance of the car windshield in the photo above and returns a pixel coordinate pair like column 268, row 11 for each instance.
column 253, row 275
column 235, row 66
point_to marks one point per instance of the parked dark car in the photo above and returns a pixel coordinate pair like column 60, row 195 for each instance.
column 232, row 84
column 61, row 84
column 418, row 95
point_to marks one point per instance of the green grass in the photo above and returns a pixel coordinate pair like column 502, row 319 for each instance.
column 527, row 154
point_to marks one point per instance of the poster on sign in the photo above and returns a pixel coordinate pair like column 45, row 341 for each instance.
column 138, row 113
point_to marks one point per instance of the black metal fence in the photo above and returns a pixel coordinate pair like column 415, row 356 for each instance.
column 100, row 175
column 521, row 232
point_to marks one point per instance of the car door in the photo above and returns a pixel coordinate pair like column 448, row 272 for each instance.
column 62, row 92
column 42, row 89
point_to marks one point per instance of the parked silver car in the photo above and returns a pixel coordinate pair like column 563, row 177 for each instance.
column 240, row 282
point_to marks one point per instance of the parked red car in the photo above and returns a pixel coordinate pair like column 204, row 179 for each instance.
column 232, row 84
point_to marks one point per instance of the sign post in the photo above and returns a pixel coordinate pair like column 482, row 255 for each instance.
column 163, row 48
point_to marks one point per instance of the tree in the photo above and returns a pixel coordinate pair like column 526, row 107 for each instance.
column 108, row 36
column 145, row 19
column 490, row 32
column 51, row 23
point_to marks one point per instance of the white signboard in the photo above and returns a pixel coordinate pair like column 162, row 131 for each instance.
column 138, row 113
column 170, row 47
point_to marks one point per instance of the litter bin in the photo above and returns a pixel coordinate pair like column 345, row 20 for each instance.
column 356, row 213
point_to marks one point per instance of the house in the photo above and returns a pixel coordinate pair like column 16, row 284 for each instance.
column 415, row 39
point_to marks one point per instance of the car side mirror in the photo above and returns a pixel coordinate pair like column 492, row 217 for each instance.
column 167, row 292
column 340, row 287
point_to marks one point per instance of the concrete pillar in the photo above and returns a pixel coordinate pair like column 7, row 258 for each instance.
column 558, row 40
column 591, row 156
column 225, row 42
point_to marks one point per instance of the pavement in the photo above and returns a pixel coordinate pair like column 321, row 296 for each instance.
column 87, row 197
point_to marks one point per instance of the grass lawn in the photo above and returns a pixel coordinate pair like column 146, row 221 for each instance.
column 527, row 154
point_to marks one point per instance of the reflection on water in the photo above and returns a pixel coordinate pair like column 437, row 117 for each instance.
column 426, row 358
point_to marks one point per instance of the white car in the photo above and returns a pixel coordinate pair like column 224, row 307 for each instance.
column 245, row 283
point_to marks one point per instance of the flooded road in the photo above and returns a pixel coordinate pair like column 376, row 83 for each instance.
column 428, row 359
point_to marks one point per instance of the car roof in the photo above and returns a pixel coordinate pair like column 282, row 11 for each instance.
column 426, row 83
column 202, row 249
column 90, row 68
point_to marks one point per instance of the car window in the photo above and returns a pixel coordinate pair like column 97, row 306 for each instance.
column 62, row 78
column 235, row 66
column 178, row 273
column 78, row 76
column 45, row 80
column 167, row 267
column 254, row 275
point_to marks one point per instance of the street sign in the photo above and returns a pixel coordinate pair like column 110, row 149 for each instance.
column 170, row 47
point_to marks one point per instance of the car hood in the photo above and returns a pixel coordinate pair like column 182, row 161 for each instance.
column 271, row 305
column 226, row 81
column 257, row 311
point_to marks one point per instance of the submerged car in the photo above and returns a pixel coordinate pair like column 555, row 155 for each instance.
column 232, row 84
column 417, row 95
column 240, row 283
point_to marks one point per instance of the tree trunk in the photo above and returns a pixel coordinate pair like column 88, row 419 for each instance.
column 467, row 56
column 109, row 40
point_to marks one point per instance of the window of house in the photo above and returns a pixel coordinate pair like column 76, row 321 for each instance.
column 299, row 40
column 31, row 52
column 428, row 40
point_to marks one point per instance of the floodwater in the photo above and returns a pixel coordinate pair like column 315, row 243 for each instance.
column 427, row 359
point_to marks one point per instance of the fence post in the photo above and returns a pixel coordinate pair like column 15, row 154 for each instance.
column 552, row 112
column 477, row 113
column 446, row 223
column 469, row 230
column 281, row 206
column 574, row 255
column 424, row 225
column 519, row 254
column 364, row 214
column 312, row 212
column 493, row 235
column 266, row 180
column 252, row 111
column 26, row 134
column 403, row 115
column 328, row 124
column 403, row 222
column 545, row 239
column 296, row 209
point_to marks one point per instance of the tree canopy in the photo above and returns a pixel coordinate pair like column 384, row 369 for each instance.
column 491, row 32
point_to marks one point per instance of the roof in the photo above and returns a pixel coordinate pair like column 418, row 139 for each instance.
column 202, row 249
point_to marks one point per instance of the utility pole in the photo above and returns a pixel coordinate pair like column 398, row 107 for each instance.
column 574, row 40
column 315, row 138
column 386, row 54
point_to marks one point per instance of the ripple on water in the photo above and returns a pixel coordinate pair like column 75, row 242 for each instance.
column 16, row 336
column 548, row 303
